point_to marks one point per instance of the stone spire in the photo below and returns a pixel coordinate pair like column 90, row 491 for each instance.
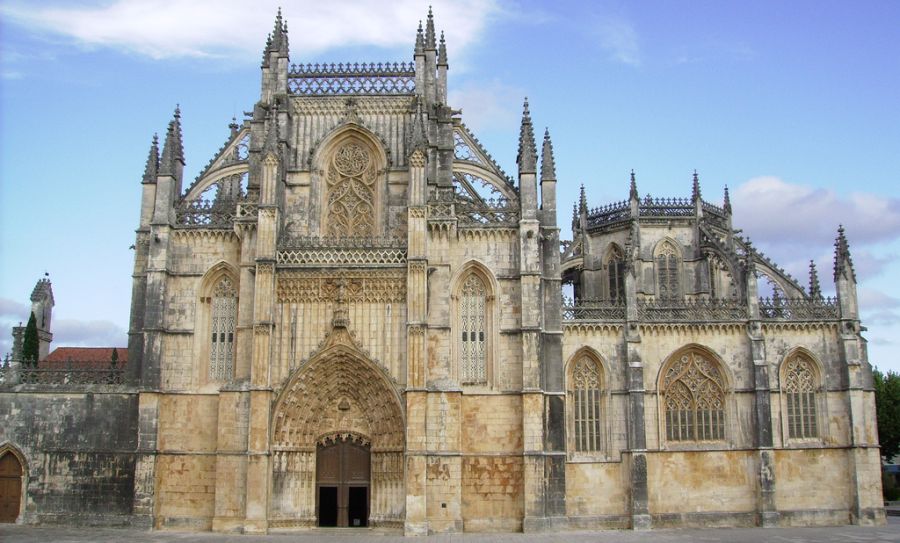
column 633, row 191
column 442, row 51
column 151, row 169
column 527, row 157
column 576, row 218
column 548, row 165
column 842, row 261
column 695, row 189
column 430, row 42
column 815, row 290
column 727, row 204
column 43, row 290
column 172, row 160
column 420, row 41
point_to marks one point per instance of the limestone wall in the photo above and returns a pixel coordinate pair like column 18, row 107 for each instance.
column 78, row 448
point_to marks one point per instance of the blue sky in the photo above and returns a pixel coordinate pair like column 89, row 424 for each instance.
column 793, row 105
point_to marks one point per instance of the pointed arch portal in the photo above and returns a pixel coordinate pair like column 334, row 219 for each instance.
column 337, row 443
column 10, row 485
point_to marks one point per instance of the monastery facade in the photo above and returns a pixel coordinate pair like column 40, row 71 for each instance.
column 355, row 317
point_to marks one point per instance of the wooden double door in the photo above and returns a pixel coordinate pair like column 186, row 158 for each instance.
column 10, row 487
column 343, row 483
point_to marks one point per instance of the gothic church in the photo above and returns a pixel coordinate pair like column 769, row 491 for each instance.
column 354, row 317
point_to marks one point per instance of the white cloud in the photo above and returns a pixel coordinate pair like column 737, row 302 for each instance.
column 620, row 40
column 782, row 213
column 219, row 28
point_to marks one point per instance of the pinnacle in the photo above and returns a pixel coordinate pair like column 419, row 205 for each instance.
column 815, row 289
column 695, row 190
column 173, row 148
column 151, row 169
column 527, row 157
column 420, row 40
column 430, row 42
column 727, row 204
column 548, row 163
column 842, row 259
column 418, row 139
column 582, row 201
column 442, row 51
column 633, row 192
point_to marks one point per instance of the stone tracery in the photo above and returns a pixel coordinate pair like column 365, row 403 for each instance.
column 694, row 399
column 350, row 178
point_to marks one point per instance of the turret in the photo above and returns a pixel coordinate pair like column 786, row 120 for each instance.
column 845, row 277
column 527, row 161
column 548, row 182
column 42, row 306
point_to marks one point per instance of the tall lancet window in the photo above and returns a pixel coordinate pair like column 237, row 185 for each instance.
column 615, row 266
column 585, row 388
column 668, row 271
column 473, row 339
column 694, row 399
column 800, row 391
column 224, row 315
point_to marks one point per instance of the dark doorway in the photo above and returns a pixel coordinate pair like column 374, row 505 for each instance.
column 328, row 506
column 358, row 506
column 10, row 487
column 342, row 477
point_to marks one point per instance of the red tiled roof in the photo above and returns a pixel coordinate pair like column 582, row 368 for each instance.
column 84, row 357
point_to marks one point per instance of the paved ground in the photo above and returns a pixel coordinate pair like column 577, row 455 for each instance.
column 843, row 534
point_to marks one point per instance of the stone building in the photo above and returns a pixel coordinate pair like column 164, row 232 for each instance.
column 354, row 317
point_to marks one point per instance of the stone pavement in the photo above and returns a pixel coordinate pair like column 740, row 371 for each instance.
column 840, row 534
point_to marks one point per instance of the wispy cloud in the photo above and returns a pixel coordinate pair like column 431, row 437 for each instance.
column 493, row 105
column 619, row 39
column 226, row 28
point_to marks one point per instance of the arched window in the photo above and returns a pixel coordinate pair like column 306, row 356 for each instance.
column 472, row 328
column 350, row 206
column 586, row 408
column 799, row 388
column 668, row 271
column 694, row 399
column 222, row 322
column 615, row 266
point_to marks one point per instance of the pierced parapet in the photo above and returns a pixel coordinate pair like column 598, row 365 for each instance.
column 382, row 78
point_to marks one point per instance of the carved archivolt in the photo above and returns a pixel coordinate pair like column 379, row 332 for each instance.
column 350, row 177
column 338, row 392
column 316, row 286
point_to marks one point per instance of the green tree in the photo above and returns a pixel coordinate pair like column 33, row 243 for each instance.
column 30, row 343
column 887, row 407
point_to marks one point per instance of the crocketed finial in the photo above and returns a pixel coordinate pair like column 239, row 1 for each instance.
column 430, row 42
column 173, row 148
column 582, row 201
column 548, row 164
column 420, row 40
column 815, row 290
column 527, row 157
column 695, row 189
column 842, row 260
column 151, row 169
column 633, row 192
column 442, row 51
column 727, row 204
